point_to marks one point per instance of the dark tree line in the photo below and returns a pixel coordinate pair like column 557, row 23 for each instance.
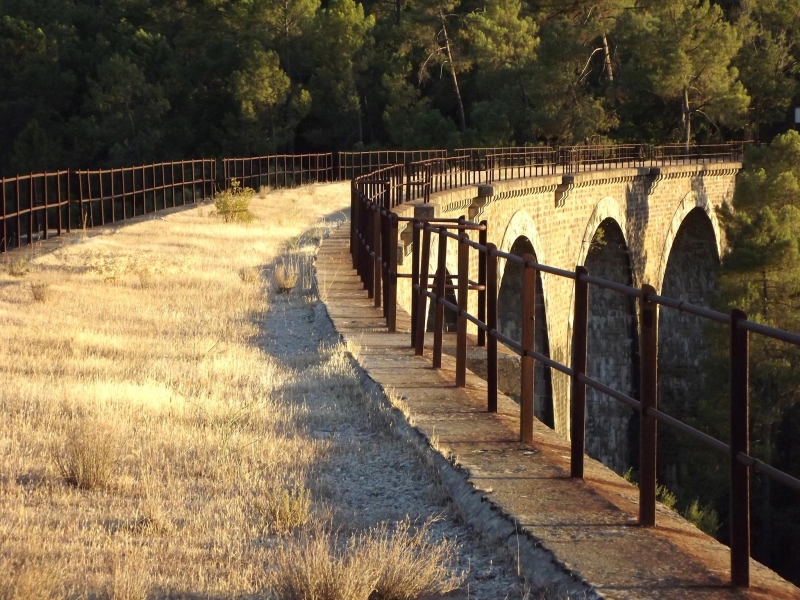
column 110, row 82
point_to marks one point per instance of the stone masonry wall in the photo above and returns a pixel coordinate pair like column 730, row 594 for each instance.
column 560, row 214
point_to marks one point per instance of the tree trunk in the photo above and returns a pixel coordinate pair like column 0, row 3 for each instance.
column 461, row 117
column 607, row 54
column 687, row 123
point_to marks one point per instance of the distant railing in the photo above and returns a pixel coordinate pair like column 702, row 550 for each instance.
column 110, row 195
column 38, row 205
column 354, row 164
column 278, row 170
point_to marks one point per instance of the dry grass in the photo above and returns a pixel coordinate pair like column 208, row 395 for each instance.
column 250, row 275
column 197, row 412
column 380, row 564
column 41, row 291
column 18, row 268
column 286, row 274
column 89, row 455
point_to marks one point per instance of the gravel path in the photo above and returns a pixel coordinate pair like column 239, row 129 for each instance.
column 370, row 475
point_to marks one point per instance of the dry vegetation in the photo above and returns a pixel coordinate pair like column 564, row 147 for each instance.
column 150, row 446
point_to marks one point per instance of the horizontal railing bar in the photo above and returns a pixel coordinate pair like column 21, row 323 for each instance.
column 700, row 311
column 769, row 471
column 546, row 360
column 688, row 430
column 778, row 334
column 609, row 391
column 612, row 285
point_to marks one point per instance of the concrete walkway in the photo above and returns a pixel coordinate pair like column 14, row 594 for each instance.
column 578, row 537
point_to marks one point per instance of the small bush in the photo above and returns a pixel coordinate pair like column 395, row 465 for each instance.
column 282, row 510
column 233, row 204
column 29, row 579
column 41, row 291
column 249, row 275
column 377, row 565
column 704, row 518
column 285, row 276
column 88, row 456
column 18, row 268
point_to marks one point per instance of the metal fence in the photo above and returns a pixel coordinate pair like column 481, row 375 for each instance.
column 37, row 206
column 373, row 245
column 355, row 164
column 278, row 170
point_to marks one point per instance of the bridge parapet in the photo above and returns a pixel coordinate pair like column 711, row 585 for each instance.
column 618, row 223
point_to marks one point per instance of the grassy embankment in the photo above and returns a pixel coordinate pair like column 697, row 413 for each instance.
column 147, row 443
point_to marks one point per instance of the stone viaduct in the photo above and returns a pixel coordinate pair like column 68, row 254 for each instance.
column 637, row 226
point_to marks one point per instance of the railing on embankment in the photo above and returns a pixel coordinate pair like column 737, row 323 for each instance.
column 374, row 246
column 36, row 206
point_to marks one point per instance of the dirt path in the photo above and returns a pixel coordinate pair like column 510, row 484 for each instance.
column 370, row 475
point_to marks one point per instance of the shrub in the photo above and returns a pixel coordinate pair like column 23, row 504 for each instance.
column 704, row 518
column 249, row 275
column 377, row 565
column 233, row 204
column 41, row 291
column 285, row 276
column 18, row 268
column 282, row 510
column 88, row 456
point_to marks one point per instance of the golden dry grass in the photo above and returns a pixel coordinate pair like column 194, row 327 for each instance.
column 141, row 374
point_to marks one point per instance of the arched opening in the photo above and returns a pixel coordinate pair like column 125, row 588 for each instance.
column 450, row 316
column 509, row 317
column 691, row 276
column 613, row 356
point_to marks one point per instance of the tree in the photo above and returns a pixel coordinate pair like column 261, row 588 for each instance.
column 682, row 51
column 769, row 60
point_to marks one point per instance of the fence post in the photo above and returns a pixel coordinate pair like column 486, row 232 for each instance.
column 491, row 323
column 354, row 223
column 422, row 299
column 648, row 319
column 740, row 442
column 580, row 331
column 375, row 251
column 441, row 280
column 528, row 339
column 391, row 275
column 415, row 281
column 482, row 258
column 463, row 293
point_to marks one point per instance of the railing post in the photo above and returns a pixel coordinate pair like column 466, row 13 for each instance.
column 491, row 323
column 482, row 257
column 463, row 292
column 648, row 353
column 415, row 281
column 377, row 260
column 422, row 300
column 528, row 339
column 740, row 442
column 354, row 223
column 580, row 331
column 441, row 280
column 391, row 275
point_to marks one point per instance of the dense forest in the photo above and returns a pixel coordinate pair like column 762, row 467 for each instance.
column 108, row 82
column 90, row 83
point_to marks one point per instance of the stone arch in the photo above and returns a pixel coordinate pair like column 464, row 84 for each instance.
column 510, row 309
column 451, row 263
column 450, row 317
column 688, row 203
column 613, row 358
column 522, row 225
column 607, row 208
column 690, row 274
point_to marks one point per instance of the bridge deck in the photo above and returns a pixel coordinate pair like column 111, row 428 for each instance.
column 589, row 526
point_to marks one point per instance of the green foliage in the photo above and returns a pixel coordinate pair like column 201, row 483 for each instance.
column 122, row 82
column 233, row 204
column 704, row 518
column 682, row 51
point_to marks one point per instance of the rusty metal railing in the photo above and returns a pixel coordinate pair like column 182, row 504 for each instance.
column 111, row 195
column 355, row 164
column 278, row 170
column 33, row 205
column 373, row 244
